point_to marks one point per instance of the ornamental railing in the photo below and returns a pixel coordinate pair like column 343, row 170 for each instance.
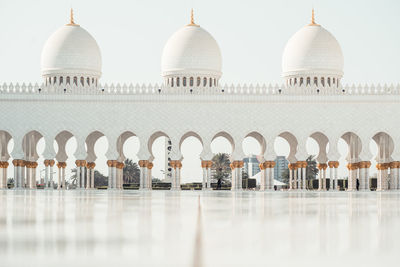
column 156, row 89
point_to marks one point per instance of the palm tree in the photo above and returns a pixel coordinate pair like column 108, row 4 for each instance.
column 221, row 165
column 131, row 172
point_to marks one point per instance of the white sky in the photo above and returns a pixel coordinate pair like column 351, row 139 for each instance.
column 251, row 35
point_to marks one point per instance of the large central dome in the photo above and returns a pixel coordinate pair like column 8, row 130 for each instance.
column 191, row 51
column 312, row 52
column 71, row 52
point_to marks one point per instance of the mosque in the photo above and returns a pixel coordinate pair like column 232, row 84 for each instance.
column 190, row 101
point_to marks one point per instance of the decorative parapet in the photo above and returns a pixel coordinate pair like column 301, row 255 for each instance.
column 156, row 89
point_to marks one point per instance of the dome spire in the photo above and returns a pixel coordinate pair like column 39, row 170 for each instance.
column 192, row 19
column 71, row 19
column 313, row 19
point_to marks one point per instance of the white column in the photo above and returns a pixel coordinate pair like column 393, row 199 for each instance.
column 92, row 178
column 324, row 178
column 290, row 176
column 109, row 186
column 78, row 175
column 88, row 179
column 361, row 177
column 331, row 178
column 303, row 169
column 320, row 177
column 83, row 183
column 114, row 176
column 335, row 173
column 51, row 174
column 21, row 171
column 367, row 186
column 2, row 182
column 295, row 176
column 17, row 179
column 33, row 177
column 352, row 176
column 209, row 175
column 63, row 175
column 149, row 176
column 142, row 179
column 59, row 176
column 46, row 174
column 204, row 169
column 28, row 175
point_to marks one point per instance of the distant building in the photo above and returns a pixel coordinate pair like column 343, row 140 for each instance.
column 251, row 165
column 280, row 166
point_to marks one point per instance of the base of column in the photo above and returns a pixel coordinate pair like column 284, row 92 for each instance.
column 380, row 190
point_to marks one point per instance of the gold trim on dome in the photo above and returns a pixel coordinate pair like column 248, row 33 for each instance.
column 192, row 19
column 313, row 19
column 71, row 19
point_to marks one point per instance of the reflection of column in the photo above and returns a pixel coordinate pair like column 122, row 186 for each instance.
column 149, row 176
column 143, row 170
column 382, row 176
column 352, row 176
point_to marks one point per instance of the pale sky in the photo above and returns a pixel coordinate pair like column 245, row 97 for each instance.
column 251, row 34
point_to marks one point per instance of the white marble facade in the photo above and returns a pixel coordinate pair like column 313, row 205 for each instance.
column 72, row 102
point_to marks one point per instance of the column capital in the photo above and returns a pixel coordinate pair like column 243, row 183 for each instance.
column 292, row 166
column 142, row 163
column 364, row 164
column 52, row 162
column 333, row 164
column 382, row 166
column 394, row 164
column 353, row 166
column 322, row 166
column 4, row 164
column 46, row 162
column 301, row 164
column 150, row 165
column 204, row 163
column 262, row 166
column 119, row 165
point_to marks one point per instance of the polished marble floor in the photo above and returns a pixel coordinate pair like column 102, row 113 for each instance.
column 193, row 228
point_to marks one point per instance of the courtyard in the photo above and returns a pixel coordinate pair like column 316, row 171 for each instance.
column 198, row 228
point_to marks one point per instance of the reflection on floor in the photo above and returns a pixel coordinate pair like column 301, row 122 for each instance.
column 164, row 228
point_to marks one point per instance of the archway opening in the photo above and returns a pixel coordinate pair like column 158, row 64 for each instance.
column 191, row 148
column 160, row 147
column 128, row 146
column 222, row 146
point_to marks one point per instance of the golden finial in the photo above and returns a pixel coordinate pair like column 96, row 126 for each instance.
column 71, row 19
column 313, row 19
column 192, row 19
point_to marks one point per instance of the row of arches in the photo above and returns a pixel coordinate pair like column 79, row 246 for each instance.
column 384, row 147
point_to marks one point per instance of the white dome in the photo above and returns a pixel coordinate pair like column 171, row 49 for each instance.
column 191, row 50
column 71, row 50
column 312, row 50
